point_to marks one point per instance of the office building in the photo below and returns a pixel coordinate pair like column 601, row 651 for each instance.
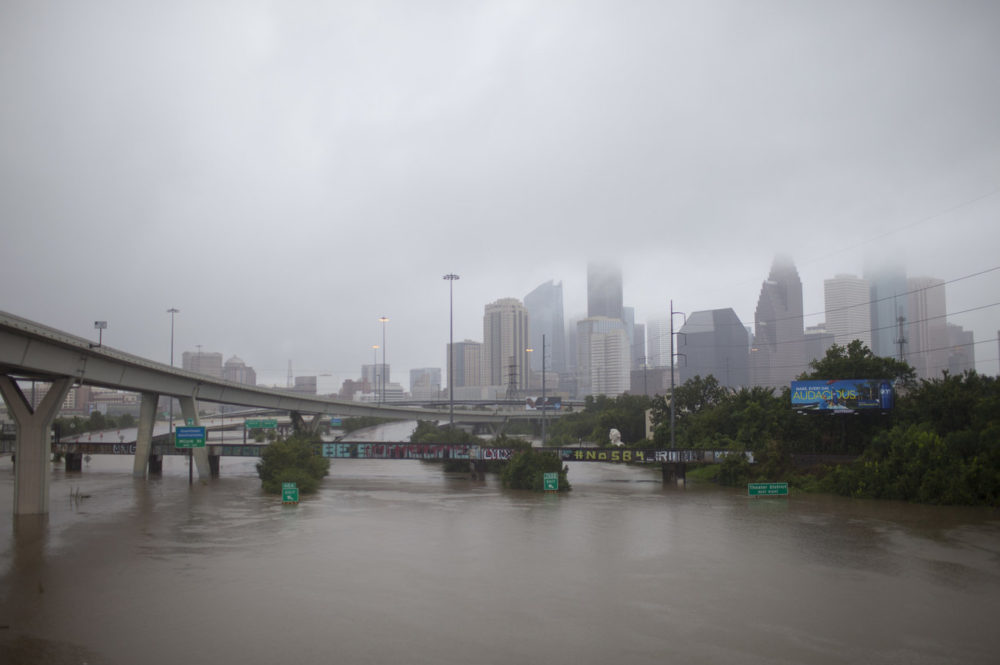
column 604, row 290
column 714, row 342
column 961, row 350
column 425, row 383
column 777, row 355
column 468, row 359
column 658, row 342
column 927, row 348
column 237, row 371
column 888, row 305
column 848, row 309
column 209, row 364
column 602, row 357
column 545, row 312
column 505, row 344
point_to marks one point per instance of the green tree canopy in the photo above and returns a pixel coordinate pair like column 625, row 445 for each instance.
column 857, row 361
column 292, row 460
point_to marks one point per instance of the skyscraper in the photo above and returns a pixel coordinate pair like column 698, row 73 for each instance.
column 777, row 355
column 715, row 342
column 658, row 342
column 962, row 350
column 604, row 290
column 848, row 309
column 888, row 305
column 239, row 372
column 468, row 358
column 545, row 312
column 505, row 343
column 425, row 382
column 927, row 347
column 209, row 364
column 602, row 356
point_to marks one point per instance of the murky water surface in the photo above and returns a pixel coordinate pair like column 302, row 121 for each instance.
column 397, row 562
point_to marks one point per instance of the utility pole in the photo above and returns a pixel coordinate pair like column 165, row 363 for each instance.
column 544, row 400
column 672, row 356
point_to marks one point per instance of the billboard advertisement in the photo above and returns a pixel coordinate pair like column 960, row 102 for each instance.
column 548, row 403
column 845, row 396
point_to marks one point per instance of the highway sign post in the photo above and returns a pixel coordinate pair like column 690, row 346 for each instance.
column 289, row 493
column 550, row 482
column 767, row 489
column 189, row 437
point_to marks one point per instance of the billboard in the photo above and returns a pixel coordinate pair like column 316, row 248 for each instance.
column 547, row 403
column 843, row 396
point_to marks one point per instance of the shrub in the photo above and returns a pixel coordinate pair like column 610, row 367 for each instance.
column 292, row 460
column 527, row 469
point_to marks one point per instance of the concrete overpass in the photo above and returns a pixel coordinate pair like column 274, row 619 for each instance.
column 30, row 350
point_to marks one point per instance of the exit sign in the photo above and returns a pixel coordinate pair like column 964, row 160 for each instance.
column 767, row 489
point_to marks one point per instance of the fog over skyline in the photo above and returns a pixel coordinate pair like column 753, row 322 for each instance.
column 286, row 173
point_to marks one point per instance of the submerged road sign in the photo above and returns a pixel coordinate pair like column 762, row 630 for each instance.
column 767, row 489
column 289, row 493
column 189, row 437
column 550, row 482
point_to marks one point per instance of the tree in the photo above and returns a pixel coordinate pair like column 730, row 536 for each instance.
column 292, row 460
column 527, row 469
column 857, row 361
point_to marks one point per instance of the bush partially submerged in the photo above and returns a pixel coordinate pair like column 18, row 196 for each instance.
column 292, row 460
column 526, row 470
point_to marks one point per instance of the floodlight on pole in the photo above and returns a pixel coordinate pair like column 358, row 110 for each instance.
column 451, row 277
column 384, row 320
column 170, row 426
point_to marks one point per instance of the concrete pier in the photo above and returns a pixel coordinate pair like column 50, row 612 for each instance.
column 34, row 443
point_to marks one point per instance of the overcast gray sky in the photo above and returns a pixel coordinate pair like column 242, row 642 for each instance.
column 284, row 173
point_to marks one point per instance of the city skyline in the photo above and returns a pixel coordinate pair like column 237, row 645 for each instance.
column 283, row 201
column 928, row 352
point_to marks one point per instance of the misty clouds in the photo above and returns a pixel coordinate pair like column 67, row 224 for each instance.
column 286, row 173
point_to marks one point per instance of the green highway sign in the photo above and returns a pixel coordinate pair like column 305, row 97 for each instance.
column 189, row 437
column 550, row 482
column 289, row 493
column 767, row 489
column 266, row 423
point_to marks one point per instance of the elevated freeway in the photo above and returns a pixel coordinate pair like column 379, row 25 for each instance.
column 31, row 350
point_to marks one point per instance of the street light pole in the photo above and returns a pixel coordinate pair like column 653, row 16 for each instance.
column 545, row 403
column 672, row 355
column 451, row 277
column 170, row 425
column 375, row 348
column 384, row 320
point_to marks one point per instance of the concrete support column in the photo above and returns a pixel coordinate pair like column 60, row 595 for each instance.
column 189, row 409
column 300, row 424
column 144, row 437
column 74, row 461
column 34, row 445
column 674, row 474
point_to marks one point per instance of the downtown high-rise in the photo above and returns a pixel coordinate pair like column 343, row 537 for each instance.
column 778, row 352
column 847, row 300
column 545, row 314
column 505, row 344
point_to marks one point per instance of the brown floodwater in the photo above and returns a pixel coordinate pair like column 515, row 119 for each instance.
column 397, row 562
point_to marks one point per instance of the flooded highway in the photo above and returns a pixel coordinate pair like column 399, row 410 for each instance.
column 398, row 562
